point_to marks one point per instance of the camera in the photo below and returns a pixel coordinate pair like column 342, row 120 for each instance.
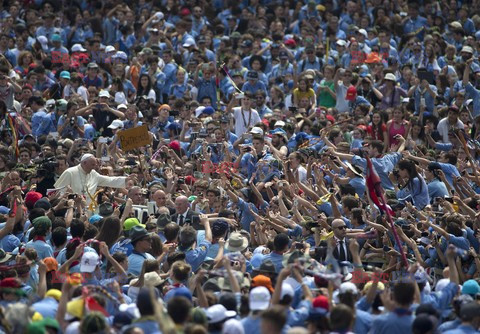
column 72, row 121
column 72, row 196
column 46, row 167
column 193, row 136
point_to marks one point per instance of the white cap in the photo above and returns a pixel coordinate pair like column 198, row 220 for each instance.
column 363, row 32
column 78, row 48
column 110, row 48
column 189, row 42
column 348, row 287
column 256, row 131
column 43, row 41
column 104, row 93
column 259, row 299
column 341, row 42
column 233, row 326
column 120, row 54
column 122, row 106
column 218, row 313
column 89, row 262
column 50, row 103
column 279, row 124
column 391, row 77
column 287, row 290
column 116, row 124
column 467, row 49
column 159, row 15
column 442, row 284
column 86, row 156
column 405, row 100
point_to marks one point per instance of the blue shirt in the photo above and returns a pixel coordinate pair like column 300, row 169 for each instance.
column 123, row 246
column 135, row 262
column 417, row 190
column 450, row 171
column 392, row 323
column 474, row 94
column 195, row 257
column 363, row 322
column 213, row 250
column 251, row 324
column 47, row 307
column 462, row 329
column 383, row 166
column 277, row 260
column 207, row 88
column 437, row 188
column 440, row 299
column 43, row 249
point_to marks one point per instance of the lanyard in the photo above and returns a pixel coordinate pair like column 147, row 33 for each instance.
column 249, row 118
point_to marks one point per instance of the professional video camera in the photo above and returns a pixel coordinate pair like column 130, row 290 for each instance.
column 46, row 167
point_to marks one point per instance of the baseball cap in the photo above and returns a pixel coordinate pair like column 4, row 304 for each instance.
column 189, row 42
column 56, row 38
column 262, row 281
column 104, row 93
column 351, row 93
column 89, row 262
column 467, row 49
column 341, row 42
column 116, row 124
column 78, row 48
column 348, row 287
column 218, row 313
column 130, row 223
column 287, row 290
column 470, row 287
column 256, row 131
column 259, row 298
column 391, row 77
column 110, row 48
column 65, row 75
column 363, row 32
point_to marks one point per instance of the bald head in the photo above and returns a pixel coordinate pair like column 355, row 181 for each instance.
column 339, row 228
column 160, row 198
column 181, row 204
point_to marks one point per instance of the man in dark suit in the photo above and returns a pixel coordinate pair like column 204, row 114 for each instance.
column 184, row 215
column 341, row 251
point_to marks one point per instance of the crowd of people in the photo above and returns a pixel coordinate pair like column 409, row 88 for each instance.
column 311, row 167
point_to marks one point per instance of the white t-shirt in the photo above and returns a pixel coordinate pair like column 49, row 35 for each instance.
column 443, row 127
column 244, row 120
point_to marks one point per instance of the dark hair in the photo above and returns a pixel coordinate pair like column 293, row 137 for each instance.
column 411, row 169
column 171, row 231
column 77, row 228
column 341, row 318
column 144, row 91
column 403, row 293
column 110, row 231
column 377, row 144
column 59, row 236
column 179, row 309
column 280, row 242
column 276, row 315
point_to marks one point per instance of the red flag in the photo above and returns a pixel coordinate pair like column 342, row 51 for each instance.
column 375, row 188
column 92, row 305
column 375, row 191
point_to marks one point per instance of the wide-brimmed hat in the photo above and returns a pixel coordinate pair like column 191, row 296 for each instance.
column 137, row 233
column 236, row 242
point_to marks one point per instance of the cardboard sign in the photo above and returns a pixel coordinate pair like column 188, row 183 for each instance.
column 134, row 138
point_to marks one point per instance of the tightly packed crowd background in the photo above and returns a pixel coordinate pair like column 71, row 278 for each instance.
column 282, row 136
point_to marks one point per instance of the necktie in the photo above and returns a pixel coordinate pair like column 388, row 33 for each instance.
column 341, row 254
column 180, row 220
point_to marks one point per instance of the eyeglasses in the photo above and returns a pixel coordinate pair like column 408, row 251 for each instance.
column 259, row 97
column 344, row 227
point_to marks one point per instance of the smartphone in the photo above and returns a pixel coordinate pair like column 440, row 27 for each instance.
column 102, row 140
column 293, row 109
column 240, row 96
column 72, row 196
column 174, row 113
column 98, row 106
column 299, row 245
column 386, row 248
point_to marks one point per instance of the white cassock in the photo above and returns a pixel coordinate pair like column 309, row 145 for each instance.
column 86, row 184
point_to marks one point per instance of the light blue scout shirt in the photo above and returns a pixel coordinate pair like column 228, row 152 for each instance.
column 195, row 257
column 135, row 262
column 417, row 190
column 383, row 166
column 450, row 171
column 43, row 249
column 437, row 188
column 277, row 260
column 396, row 322
column 47, row 307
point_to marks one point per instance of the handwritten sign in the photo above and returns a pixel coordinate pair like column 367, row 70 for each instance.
column 134, row 138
